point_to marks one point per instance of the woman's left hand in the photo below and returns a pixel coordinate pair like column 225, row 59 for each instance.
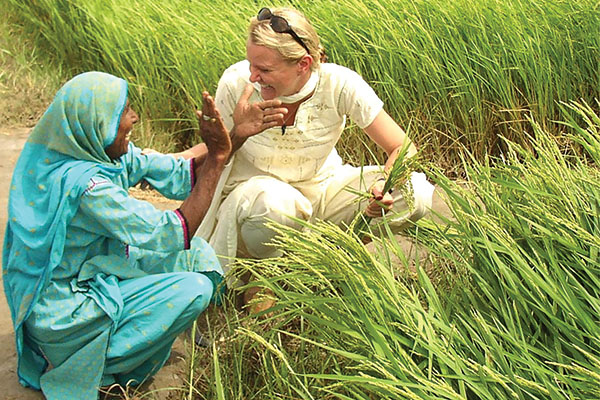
column 380, row 202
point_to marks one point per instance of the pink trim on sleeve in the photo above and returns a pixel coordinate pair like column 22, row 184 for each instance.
column 186, row 232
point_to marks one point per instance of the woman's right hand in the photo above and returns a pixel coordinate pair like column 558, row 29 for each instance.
column 212, row 129
column 251, row 119
column 213, row 153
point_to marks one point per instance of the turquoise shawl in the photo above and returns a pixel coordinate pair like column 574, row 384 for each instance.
column 64, row 150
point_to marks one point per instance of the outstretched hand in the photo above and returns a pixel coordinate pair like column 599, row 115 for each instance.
column 212, row 129
column 251, row 119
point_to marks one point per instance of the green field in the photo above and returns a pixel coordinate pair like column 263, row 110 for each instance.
column 505, row 301
column 460, row 74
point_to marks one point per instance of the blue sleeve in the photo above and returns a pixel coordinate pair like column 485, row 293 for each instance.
column 172, row 177
column 111, row 212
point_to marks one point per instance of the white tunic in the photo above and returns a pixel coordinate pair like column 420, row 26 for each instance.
column 300, row 153
column 304, row 157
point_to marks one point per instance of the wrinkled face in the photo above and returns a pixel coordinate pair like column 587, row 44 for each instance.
column 121, row 143
column 276, row 76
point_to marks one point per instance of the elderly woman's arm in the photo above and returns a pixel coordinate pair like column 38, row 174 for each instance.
column 209, row 165
column 111, row 212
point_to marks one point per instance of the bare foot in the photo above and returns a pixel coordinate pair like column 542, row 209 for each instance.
column 258, row 299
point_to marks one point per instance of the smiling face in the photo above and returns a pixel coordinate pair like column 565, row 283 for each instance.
column 121, row 142
column 276, row 76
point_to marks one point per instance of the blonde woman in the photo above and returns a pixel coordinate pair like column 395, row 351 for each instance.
column 292, row 168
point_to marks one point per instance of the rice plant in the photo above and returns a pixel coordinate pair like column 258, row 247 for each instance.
column 465, row 73
column 397, row 177
column 521, row 320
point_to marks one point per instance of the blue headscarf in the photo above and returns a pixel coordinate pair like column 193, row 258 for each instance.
column 65, row 149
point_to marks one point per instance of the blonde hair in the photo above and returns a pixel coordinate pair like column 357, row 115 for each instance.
column 261, row 33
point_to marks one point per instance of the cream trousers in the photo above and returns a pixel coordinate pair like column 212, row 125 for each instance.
column 241, row 227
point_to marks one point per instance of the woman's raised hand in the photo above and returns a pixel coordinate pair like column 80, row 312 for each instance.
column 250, row 119
column 212, row 129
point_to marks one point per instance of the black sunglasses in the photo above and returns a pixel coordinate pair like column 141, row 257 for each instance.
column 280, row 25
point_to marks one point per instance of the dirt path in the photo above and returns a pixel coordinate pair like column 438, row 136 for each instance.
column 11, row 143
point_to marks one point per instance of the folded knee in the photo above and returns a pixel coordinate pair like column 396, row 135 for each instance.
column 256, row 232
column 199, row 288
column 422, row 196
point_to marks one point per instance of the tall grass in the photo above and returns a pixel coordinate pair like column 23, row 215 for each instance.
column 461, row 72
column 517, row 316
column 26, row 88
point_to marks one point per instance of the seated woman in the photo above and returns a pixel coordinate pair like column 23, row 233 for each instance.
column 293, row 169
column 100, row 284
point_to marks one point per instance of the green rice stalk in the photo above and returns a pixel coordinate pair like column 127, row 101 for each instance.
column 398, row 177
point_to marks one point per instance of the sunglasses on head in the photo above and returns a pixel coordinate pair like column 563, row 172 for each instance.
column 280, row 25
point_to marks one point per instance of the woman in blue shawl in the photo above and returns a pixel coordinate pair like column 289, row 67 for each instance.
column 100, row 284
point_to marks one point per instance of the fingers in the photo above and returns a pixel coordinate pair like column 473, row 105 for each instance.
column 273, row 117
column 377, row 190
column 213, row 132
column 144, row 185
column 377, row 207
column 270, row 104
column 264, row 105
column 267, row 111
column 262, row 115
column 204, row 117
column 248, row 90
column 270, row 109
column 210, row 113
column 377, row 193
column 209, row 108
column 267, row 125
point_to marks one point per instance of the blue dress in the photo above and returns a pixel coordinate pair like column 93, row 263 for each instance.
column 99, row 283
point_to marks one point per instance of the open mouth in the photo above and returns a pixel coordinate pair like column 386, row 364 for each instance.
column 267, row 90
